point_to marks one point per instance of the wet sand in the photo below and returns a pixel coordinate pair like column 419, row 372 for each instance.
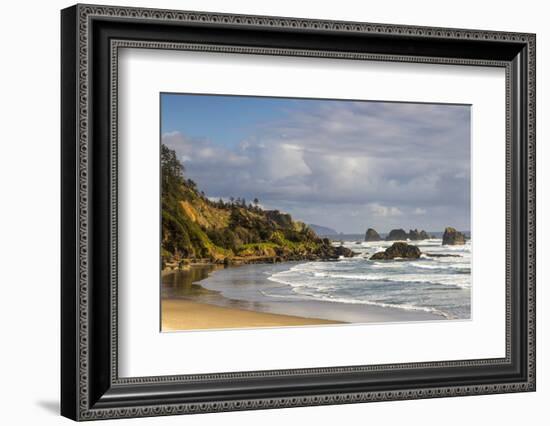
column 180, row 314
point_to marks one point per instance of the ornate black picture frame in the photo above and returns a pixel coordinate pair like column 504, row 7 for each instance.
column 91, row 388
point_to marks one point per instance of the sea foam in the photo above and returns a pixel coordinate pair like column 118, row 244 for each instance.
column 432, row 284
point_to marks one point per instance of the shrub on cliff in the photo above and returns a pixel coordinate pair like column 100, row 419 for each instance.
column 193, row 227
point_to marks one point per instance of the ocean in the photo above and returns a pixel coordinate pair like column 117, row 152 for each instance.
column 441, row 285
column 431, row 285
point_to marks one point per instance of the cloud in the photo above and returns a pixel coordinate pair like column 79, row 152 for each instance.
column 383, row 211
column 347, row 165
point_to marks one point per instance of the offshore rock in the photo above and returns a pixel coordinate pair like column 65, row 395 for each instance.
column 372, row 235
column 397, row 234
column 415, row 235
column 452, row 237
column 398, row 250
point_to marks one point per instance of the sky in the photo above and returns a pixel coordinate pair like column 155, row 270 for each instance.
column 347, row 165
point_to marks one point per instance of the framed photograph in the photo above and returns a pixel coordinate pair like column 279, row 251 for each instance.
column 263, row 212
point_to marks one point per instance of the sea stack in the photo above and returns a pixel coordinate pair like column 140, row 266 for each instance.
column 396, row 235
column 372, row 235
column 452, row 237
column 401, row 250
column 415, row 235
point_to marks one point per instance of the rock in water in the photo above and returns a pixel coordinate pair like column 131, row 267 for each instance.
column 452, row 237
column 328, row 251
column 343, row 251
column 415, row 235
column 397, row 234
column 372, row 235
column 401, row 250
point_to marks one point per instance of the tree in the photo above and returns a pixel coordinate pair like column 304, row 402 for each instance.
column 171, row 168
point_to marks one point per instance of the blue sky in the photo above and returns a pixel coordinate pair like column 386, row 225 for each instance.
column 348, row 165
column 236, row 117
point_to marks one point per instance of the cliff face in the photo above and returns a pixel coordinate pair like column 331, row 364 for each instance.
column 195, row 228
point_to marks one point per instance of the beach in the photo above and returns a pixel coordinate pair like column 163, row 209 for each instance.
column 181, row 314
column 259, row 295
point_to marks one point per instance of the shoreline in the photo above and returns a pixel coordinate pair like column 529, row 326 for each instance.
column 241, row 261
column 190, row 305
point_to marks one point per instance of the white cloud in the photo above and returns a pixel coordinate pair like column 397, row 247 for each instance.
column 390, row 157
column 379, row 210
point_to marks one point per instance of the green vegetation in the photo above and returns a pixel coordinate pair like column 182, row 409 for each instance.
column 195, row 228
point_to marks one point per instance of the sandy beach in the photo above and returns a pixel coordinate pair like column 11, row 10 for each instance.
column 179, row 314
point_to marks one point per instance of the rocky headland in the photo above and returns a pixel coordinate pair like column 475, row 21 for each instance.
column 198, row 230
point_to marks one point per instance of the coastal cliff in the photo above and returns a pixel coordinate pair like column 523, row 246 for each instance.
column 197, row 229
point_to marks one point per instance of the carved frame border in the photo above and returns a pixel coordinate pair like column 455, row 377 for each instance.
column 87, row 12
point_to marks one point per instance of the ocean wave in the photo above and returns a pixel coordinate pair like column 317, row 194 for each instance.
column 457, row 280
column 404, row 306
column 390, row 265
column 464, row 265
column 464, row 248
column 425, row 266
column 310, row 267
column 437, row 285
column 442, row 266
